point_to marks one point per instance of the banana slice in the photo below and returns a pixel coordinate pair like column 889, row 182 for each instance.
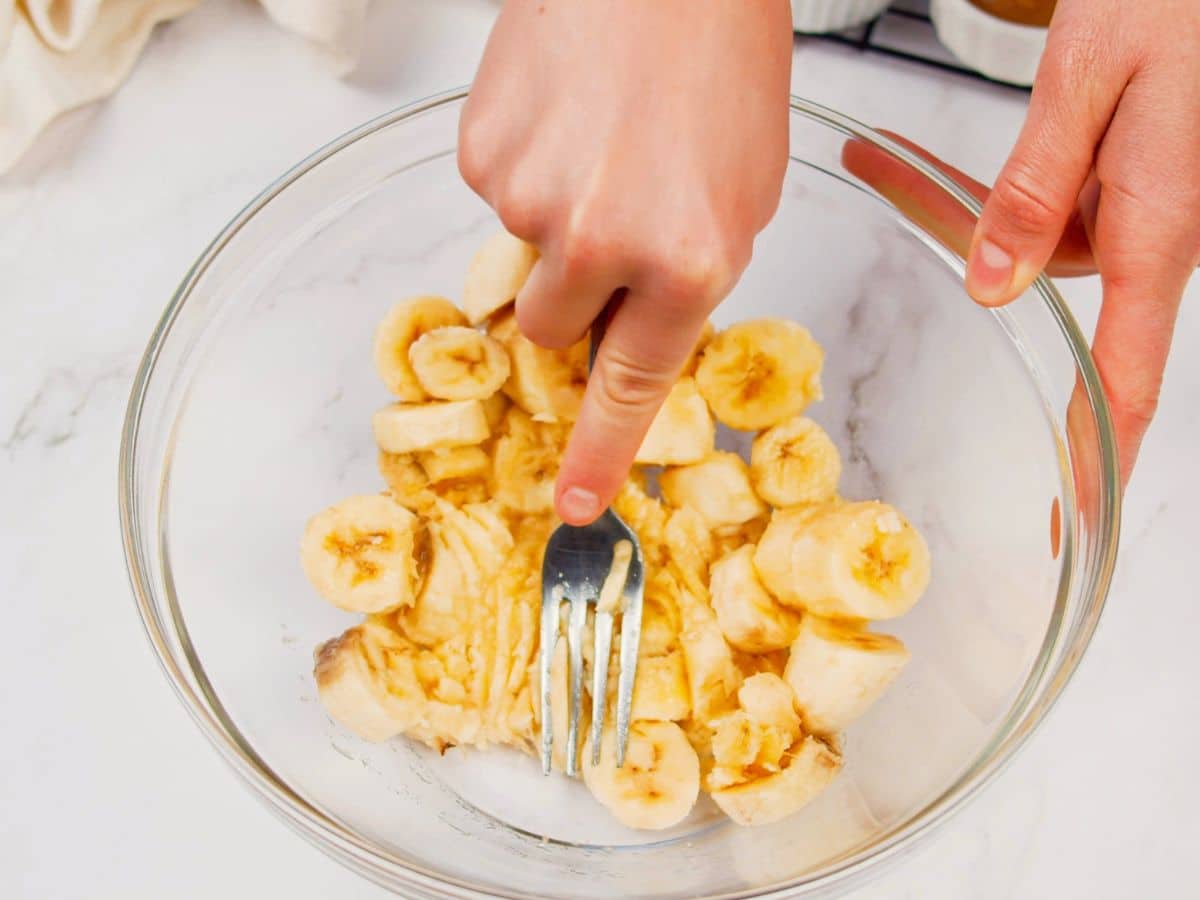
column 400, row 328
column 659, row 783
column 525, row 462
column 749, row 617
column 845, row 561
column 496, row 274
column 404, row 428
column 838, row 670
column 406, row 480
column 807, row 770
column 706, row 336
column 358, row 554
column 454, row 463
column 728, row 538
column 754, row 739
column 682, row 432
column 660, row 691
column 758, row 373
column 458, row 363
column 547, row 384
column 795, row 462
column 494, row 408
column 357, row 692
column 717, row 487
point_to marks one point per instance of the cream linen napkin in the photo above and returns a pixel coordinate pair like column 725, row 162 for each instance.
column 56, row 55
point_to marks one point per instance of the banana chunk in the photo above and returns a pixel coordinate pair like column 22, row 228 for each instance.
column 547, row 384
column 454, row 463
column 838, row 670
column 693, row 360
column 496, row 274
column 758, row 373
column 400, row 328
column 525, row 462
column 682, row 432
column 458, row 363
column 755, row 738
column 749, row 617
column 717, row 487
column 659, row 783
column 356, row 693
column 844, row 561
column 795, row 462
column 358, row 554
column 660, row 691
column 807, row 770
column 405, row 428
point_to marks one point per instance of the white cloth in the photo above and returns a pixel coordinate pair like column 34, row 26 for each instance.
column 56, row 55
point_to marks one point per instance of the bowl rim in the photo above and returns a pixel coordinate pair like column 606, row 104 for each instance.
column 339, row 840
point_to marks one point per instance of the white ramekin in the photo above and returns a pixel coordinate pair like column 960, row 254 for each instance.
column 818, row 16
column 1002, row 50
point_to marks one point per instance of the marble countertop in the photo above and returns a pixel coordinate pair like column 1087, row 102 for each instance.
column 108, row 789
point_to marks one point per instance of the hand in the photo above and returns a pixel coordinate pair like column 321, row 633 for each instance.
column 1108, row 164
column 640, row 146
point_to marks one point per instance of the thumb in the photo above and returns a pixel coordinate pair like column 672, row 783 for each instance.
column 1036, row 194
column 644, row 348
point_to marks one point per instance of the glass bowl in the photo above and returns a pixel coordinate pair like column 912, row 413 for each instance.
column 251, row 411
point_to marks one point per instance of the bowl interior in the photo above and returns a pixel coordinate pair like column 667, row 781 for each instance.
column 938, row 406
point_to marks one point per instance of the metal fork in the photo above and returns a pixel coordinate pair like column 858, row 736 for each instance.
column 578, row 569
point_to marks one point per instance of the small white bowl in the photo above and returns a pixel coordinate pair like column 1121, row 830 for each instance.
column 819, row 16
column 999, row 49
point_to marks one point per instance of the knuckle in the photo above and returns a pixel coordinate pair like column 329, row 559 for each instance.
column 695, row 274
column 473, row 159
column 1025, row 200
column 519, row 214
column 628, row 384
column 1136, row 402
column 585, row 247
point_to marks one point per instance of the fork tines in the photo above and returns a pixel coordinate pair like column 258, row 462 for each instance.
column 582, row 570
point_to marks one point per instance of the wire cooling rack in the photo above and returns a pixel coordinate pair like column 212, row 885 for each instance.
column 905, row 31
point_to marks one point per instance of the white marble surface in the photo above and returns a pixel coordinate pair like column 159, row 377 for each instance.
column 108, row 789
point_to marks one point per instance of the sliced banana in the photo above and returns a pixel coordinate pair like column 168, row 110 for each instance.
column 749, row 617
column 795, row 462
column 494, row 408
column 682, row 432
column 400, row 328
column 525, row 462
column 849, row 561
column 693, row 360
column 458, row 363
column 755, row 738
column 717, row 487
column 406, row 428
column 358, row 554
column 659, row 783
column 660, row 691
column 356, row 690
column 406, row 480
column 838, row 670
column 455, row 463
column 496, row 274
column 807, row 770
column 758, row 373
column 547, row 384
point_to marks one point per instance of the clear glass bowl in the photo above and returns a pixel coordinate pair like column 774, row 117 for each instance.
column 251, row 411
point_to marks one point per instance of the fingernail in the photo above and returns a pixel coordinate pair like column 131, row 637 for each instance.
column 579, row 505
column 990, row 272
